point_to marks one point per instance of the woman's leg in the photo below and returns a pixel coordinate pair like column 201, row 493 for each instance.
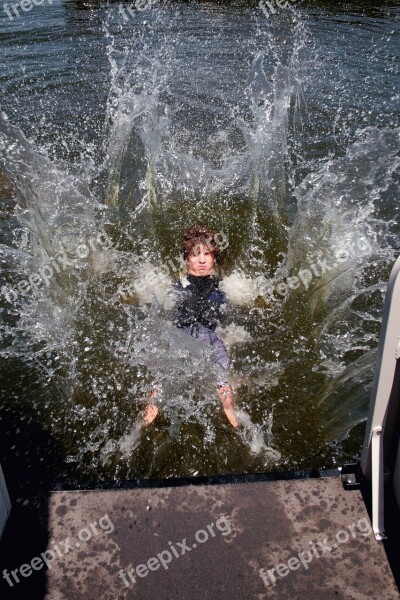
column 225, row 394
column 151, row 410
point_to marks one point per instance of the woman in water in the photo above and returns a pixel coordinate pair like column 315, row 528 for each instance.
column 199, row 309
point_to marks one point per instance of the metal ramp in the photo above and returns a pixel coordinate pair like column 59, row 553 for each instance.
column 312, row 539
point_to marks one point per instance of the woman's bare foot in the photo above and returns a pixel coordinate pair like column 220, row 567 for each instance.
column 150, row 414
column 225, row 394
column 151, row 410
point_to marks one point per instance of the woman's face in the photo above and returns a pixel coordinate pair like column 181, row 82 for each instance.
column 200, row 261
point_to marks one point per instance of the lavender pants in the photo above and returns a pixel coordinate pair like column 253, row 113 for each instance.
column 208, row 336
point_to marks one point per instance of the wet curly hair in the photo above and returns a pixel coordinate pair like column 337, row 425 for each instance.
column 198, row 235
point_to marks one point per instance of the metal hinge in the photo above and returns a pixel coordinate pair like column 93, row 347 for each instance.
column 351, row 476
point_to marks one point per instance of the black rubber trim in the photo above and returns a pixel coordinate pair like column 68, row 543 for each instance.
column 130, row 484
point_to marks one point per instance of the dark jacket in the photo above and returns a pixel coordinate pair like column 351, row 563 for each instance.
column 201, row 302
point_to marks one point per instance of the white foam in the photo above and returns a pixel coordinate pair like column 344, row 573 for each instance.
column 153, row 281
column 130, row 441
column 233, row 334
column 239, row 290
column 254, row 437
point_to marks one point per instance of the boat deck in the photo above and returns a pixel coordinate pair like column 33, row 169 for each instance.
column 312, row 538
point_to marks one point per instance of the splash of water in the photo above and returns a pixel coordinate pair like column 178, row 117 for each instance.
column 196, row 140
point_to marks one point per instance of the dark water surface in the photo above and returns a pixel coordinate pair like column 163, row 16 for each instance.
column 119, row 129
